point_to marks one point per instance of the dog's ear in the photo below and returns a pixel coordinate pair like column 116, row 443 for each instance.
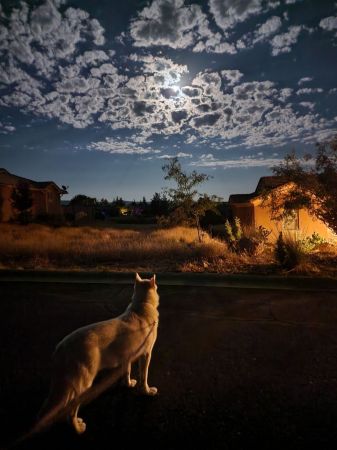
column 153, row 280
column 138, row 279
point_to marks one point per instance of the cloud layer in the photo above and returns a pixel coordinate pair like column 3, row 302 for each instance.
column 56, row 64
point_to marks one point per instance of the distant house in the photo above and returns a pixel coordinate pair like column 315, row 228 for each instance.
column 252, row 212
column 45, row 194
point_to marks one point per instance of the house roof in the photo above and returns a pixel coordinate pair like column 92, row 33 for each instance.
column 11, row 179
column 264, row 184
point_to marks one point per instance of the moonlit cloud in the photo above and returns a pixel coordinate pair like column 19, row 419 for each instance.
column 208, row 160
column 120, row 147
column 53, row 66
column 329, row 24
column 227, row 13
column 282, row 43
column 268, row 28
column 169, row 23
column 304, row 80
column 304, row 91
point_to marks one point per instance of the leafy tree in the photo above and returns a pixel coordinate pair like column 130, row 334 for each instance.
column 22, row 202
column 314, row 184
column 188, row 204
column 83, row 200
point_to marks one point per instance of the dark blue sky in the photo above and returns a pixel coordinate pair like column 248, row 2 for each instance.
column 95, row 95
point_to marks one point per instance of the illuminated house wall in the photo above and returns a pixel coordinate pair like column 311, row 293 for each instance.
column 251, row 212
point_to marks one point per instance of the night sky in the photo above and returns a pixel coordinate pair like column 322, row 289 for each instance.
column 96, row 94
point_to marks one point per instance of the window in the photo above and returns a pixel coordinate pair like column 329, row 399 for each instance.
column 291, row 220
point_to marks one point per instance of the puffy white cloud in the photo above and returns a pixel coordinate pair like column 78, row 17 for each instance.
column 329, row 23
column 282, row 43
column 174, row 24
column 268, row 28
column 91, row 58
column 227, row 13
column 82, row 86
column 170, row 23
column 42, row 36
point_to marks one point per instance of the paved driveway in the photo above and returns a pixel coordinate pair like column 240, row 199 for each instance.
column 236, row 368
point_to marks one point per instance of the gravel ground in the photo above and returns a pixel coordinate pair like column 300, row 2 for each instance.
column 236, row 368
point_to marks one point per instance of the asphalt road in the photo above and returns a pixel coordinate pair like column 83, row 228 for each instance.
column 236, row 368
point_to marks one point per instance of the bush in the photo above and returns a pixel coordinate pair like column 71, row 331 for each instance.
column 312, row 242
column 290, row 252
column 245, row 239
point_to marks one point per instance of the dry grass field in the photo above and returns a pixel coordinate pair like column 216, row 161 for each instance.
column 145, row 248
column 142, row 248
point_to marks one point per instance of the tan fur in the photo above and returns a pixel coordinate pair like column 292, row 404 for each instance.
column 110, row 344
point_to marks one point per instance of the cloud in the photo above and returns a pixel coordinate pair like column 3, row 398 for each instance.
column 81, row 85
column 329, row 23
column 309, row 105
column 170, row 23
column 42, row 37
column 178, row 155
column 178, row 116
column 120, row 147
column 304, row 80
column 228, row 13
column 6, row 128
column 206, row 120
column 282, row 43
column 231, row 76
column 208, row 160
column 267, row 29
column 304, row 91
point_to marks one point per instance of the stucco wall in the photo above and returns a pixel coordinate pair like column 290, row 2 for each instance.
column 308, row 224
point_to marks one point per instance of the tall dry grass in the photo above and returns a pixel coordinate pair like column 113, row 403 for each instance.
column 40, row 246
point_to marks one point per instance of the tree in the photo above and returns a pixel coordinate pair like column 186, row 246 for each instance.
column 313, row 184
column 83, row 200
column 22, row 202
column 188, row 204
column 159, row 205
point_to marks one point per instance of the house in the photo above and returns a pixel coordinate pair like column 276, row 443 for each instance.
column 45, row 195
column 252, row 211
